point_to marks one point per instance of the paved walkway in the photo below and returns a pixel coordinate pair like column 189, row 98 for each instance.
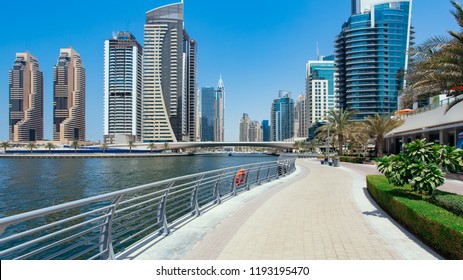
column 318, row 212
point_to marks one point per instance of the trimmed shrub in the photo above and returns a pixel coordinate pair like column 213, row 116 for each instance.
column 435, row 226
column 451, row 202
column 351, row 159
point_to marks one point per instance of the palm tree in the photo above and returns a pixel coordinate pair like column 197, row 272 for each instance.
column 50, row 146
column 131, row 145
column 75, row 145
column 166, row 146
column 5, row 145
column 358, row 137
column 437, row 66
column 379, row 126
column 339, row 125
column 31, row 146
column 152, row 146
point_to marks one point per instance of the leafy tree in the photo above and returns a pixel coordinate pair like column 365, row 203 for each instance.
column 5, row 145
column 420, row 165
column 378, row 126
column 437, row 66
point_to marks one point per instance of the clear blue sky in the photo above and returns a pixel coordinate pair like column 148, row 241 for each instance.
column 258, row 46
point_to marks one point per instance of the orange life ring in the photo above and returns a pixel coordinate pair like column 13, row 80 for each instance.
column 240, row 176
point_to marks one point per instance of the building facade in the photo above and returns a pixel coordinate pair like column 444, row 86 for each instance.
column 320, row 91
column 282, row 117
column 169, row 77
column 122, row 89
column 245, row 124
column 219, row 127
column 300, row 117
column 265, row 131
column 26, row 99
column 69, row 98
column 372, row 56
column 207, row 113
column 255, row 132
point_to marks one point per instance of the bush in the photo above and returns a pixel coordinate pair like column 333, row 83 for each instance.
column 420, row 165
column 435, row 226
column 351, row 159
column 451, row 202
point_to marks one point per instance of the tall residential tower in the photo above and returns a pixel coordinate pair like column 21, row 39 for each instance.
column 69, row 97
column 122, row 89
column 26, row 99
column 282, row 117
column 372, row 56
column 169, row 77
column 320, row 77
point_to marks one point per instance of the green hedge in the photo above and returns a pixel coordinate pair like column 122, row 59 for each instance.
column 449, row 201
column 435, row 226
column 352, row 159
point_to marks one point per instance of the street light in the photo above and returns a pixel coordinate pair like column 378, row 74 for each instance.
column 328, row 144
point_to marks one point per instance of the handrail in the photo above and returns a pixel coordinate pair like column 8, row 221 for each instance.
column 103, row 226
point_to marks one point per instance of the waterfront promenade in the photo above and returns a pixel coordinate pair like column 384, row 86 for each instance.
column 318, row 212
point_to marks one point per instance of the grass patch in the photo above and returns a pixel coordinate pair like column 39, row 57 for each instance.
column 441, row 229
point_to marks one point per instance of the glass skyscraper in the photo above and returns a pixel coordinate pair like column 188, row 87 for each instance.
column 169, row 77
column 371, row 56
column 207, row 113
column 122, row 88
column 212, row 112
column 265, row 131
column 282, row 117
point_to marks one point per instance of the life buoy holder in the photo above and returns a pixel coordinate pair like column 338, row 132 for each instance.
column 240, row 176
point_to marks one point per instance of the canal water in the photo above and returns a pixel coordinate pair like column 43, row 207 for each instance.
column 29, row 184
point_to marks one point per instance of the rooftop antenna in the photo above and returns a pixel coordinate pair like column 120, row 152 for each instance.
column 318, row 52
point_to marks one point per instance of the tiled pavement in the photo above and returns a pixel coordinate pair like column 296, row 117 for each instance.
column 320, row 212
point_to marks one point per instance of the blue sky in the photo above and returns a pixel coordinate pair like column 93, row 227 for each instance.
column 259, row 47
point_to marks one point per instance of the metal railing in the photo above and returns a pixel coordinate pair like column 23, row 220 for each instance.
column 103, row 226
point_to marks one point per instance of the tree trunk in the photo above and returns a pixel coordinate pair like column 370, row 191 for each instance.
column 341, row 143
column 379, row 142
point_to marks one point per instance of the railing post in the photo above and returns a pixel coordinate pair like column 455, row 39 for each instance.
column 268, row 173
column 217, row 190
column 246, row 179
column 233, row 187
column 194, row 198
column 258, row 174
column 162, row 212
column 106, row 240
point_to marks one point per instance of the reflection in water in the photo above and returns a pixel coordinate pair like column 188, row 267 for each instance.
column 28, row 184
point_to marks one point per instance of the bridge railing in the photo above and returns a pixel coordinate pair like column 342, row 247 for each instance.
column 103, row 226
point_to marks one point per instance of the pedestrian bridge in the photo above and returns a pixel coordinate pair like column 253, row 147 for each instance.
column 184, row 145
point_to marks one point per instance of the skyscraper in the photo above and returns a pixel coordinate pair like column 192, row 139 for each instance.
column 26, row 99
column 207, row 113
column 69, row 97
column 372, row 56
column 255, row 132
column 265, row 131
column 122, row 89
column 212, row 112
column 282, row 117
column 245, row 123
column 169, row 77
column 320, row 76
column 300, row 116
column 219, row 111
